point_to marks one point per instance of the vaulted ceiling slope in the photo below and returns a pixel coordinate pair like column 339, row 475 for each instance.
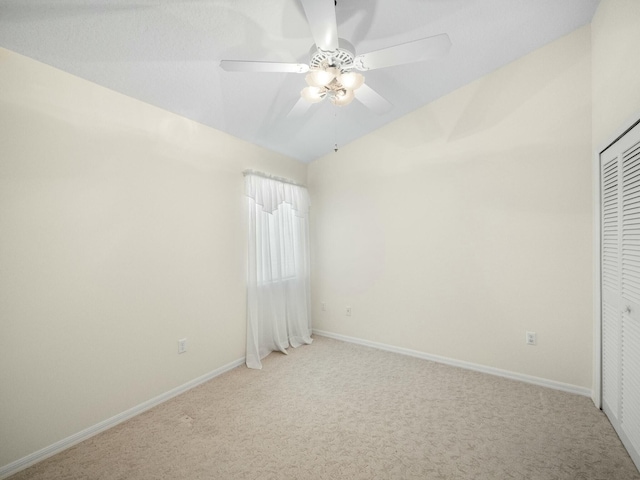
column 167, row 53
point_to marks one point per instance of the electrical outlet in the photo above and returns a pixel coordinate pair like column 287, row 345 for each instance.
column 348, row 311
column 324, row 307
column 182, row 345
column 531, row 338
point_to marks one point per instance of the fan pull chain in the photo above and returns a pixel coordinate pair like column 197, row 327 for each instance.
column 335, row 131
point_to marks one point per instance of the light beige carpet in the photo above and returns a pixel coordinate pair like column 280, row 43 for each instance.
column 333, row 410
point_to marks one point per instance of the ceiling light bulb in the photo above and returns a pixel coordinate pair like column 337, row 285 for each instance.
column 313, row 94
column 351, row 80
column 342, row 98
column 321, row 78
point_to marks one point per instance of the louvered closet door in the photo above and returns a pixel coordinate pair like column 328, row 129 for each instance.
column 620, row 222
column 611, row 313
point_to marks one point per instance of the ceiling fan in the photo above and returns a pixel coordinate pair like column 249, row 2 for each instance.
column 333, row 62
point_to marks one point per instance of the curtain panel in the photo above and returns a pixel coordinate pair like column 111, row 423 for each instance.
column 278, row 284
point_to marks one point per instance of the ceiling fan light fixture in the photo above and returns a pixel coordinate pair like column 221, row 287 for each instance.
column 351, row 80
column 313, row 94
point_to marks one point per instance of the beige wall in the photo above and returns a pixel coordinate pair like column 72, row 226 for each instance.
column 121, row 231
column 457, row 228
column 616, row 68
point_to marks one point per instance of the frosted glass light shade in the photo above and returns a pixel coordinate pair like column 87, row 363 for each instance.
column 342, row 99
column 310, row 80
column 321, row 78
column 351, row 80
column 313, row 94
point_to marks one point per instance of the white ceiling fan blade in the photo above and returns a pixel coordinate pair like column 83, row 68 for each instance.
column 416, row 51
column 321, row 15
column 372, row 99
column 250, row 66
column 299, row 109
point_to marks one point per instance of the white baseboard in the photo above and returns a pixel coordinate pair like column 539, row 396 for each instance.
column 22, row 463
column 543, row 382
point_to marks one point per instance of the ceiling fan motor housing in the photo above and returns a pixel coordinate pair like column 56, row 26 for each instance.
column 342, row 58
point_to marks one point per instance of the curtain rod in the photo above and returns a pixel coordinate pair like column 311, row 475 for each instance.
column 272, row 177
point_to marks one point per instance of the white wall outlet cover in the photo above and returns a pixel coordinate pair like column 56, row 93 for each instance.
column 530, row 338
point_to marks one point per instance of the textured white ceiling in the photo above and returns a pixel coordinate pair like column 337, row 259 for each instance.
column 167, row 53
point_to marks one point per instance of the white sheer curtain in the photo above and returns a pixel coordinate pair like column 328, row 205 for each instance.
column 278, row 294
